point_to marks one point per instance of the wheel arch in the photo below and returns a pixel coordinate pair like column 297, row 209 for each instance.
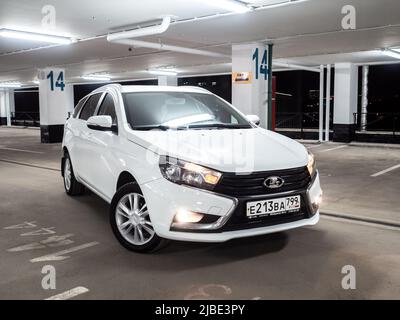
column 124, row 178
column 65, row 152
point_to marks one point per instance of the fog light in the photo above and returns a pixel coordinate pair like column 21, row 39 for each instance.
column 317, row 202
column 186, row 216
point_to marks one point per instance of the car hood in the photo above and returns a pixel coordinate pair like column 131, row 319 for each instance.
column 226, row 150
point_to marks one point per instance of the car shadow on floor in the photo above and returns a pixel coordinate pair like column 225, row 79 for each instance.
column 242, row 248
column 237, row 249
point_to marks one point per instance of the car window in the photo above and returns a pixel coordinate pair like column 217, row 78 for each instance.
column 90, row 106
column 107, row 108
column 79, row 107
column 179, row 109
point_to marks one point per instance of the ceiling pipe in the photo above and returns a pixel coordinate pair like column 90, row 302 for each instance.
column 295, row 66
column 125, row 38
column 166, row 47
column 141, row 32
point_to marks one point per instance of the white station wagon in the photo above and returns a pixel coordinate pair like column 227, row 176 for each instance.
column 181, row 163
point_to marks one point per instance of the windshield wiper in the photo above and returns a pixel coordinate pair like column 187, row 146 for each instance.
column 217, row 125
column 192, row 126
column 151, row 127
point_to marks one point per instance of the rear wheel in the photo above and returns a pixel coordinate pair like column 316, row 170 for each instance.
column 71, row 185
column 130, row 220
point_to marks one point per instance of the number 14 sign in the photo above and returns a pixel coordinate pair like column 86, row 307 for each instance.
column 260, row 69
column 59, row 83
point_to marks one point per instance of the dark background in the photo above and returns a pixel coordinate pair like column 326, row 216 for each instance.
column 297, row 91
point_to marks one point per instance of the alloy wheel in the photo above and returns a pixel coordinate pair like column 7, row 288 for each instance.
column 133, row 220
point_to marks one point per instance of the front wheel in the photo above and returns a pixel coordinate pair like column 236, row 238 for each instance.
column 71, row 185
column 130, row 220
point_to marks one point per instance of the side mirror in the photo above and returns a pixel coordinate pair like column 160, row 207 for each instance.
column 253, row 118
column 100, row 123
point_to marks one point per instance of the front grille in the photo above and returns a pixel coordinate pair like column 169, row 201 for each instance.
column 242, row 185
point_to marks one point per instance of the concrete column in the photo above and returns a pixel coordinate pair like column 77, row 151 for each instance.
column 55, row 101
column 7, row 105
column 321, row 103
column 346, row 90
column 168, row 81
column 328, row 102
column 249, row 80
column 364, row 98
column 3, row 114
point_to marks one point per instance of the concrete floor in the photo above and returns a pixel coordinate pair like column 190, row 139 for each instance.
column 304, row 263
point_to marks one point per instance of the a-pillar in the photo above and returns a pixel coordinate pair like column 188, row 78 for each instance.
column 346, row 99
column 7, row 106
column 168, row 81
column 56, row 100
column 249, row 80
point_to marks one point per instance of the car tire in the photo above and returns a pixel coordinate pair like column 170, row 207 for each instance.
column 130, row 221
column 71, row 185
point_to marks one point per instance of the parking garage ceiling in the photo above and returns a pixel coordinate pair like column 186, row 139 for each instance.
column 307, row 31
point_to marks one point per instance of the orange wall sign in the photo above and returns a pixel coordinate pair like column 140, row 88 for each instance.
column 242, row 77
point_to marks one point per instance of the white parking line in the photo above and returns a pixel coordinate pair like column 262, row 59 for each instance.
column 69, row 294
column 314, row 146
column 59, row 256
column 331, row 149
column 21, row 150
column 385, row 171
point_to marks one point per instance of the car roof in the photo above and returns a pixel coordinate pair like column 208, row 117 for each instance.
column 133, row 88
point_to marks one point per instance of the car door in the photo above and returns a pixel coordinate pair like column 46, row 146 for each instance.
column 82, row 157
column 72, row 129
column 103, row 145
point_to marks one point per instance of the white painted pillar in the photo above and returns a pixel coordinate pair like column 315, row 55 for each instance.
column 321, row 104
column 346, row 91
column 7, row 106
column 3, row 114
column 249, row 80
column 328, row 102
column 56, row 99
column 364, row 98
column 168, row 81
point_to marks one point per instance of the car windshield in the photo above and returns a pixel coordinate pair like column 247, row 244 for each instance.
column 180, row 110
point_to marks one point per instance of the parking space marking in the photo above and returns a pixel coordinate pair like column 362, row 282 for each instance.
column 385, row 171
column 360, row 222
column 40, row 232
column 21, row 150
column 59, row 256
column 69, row 294
column 314, row 146
column 53, row 241
column 25, row 225
column 331, row 149
column 29, row 165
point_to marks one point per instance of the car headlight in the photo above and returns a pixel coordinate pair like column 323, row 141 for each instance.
column 311, row 163
column 183, row 172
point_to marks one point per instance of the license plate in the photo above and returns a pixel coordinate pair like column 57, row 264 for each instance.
column 273, row 207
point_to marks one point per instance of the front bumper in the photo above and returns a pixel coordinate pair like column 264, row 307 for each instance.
column 164, row 199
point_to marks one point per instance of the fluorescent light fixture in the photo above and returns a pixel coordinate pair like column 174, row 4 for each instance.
column 160, row 72
column 10, row 85
column 31, row 36
column 391, row 53
column 229, row 5
column 97, row 77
